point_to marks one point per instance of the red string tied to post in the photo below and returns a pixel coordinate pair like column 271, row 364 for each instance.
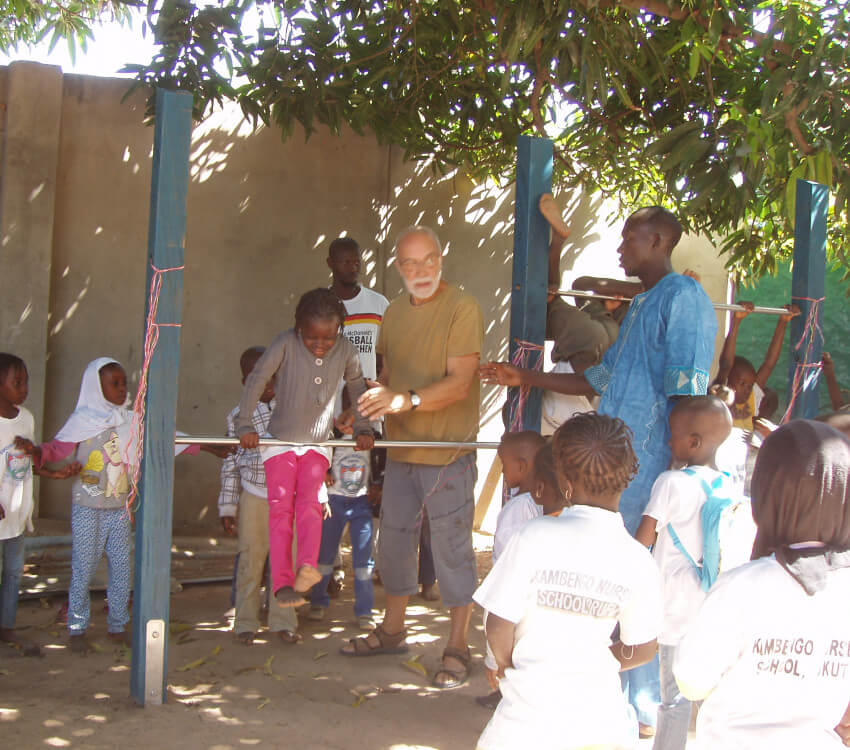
column 135, row 446
column 805, row 371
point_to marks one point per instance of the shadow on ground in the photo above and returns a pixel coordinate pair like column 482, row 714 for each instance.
column 222, row 694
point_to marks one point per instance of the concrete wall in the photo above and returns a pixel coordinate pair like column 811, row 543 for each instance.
column 260, row 215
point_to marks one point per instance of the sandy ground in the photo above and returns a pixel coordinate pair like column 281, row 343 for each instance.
column 223, row 695
column 268, row 694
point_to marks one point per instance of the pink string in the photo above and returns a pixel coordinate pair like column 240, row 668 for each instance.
column 805, row 371
column 137, row 427
column 526, row 351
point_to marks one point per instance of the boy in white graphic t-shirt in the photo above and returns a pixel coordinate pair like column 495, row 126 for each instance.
column 555, row 595
column 364, row 312
column 698, row 427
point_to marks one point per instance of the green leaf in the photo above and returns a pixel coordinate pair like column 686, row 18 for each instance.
column 693, row 65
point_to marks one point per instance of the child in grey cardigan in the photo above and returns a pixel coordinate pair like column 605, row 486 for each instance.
column 309, row 360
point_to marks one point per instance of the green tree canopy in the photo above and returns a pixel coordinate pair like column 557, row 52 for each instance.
column 712, row 109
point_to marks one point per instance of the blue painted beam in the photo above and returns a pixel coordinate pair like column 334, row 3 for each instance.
column 531, row 253
column 807, row 283
column 166, row 232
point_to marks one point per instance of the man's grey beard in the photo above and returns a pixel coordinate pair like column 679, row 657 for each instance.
column 432, row 289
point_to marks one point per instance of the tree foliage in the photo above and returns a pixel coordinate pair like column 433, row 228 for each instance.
column 28, row 22
column 711, row 108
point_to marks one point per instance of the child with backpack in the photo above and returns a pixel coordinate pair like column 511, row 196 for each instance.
column 687, row 509
column 768, row 652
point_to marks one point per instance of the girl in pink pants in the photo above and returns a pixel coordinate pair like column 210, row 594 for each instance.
column 307, row 363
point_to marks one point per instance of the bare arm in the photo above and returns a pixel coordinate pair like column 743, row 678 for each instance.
column 613, row 287
column 453, row 387
column 646, row 533
column 555, row 265
column 727, row 353
column 836, row 399
column 500, row 636
column 843, row 728
column 633, row 656
column 501, row 373
column 775, row 347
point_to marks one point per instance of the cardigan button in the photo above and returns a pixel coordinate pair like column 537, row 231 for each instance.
column 319, row 361
column 317, row 380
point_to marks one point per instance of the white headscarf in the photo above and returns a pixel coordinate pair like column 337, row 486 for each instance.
column 93, row 413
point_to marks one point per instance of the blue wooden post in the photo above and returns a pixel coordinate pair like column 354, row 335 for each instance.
column 166, row 231
column 530, row 270
column 807, row 283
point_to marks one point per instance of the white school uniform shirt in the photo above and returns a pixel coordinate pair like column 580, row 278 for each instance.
column 677, row 499
column 566, row 582
column 773, row 661
column 559, row 407
column 519, row 509
column 16, row 475
column 733, row 454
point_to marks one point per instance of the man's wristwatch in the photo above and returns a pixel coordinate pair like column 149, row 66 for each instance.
column 415, row 400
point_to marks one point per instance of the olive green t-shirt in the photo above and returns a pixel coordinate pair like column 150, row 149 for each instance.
column 416, row 342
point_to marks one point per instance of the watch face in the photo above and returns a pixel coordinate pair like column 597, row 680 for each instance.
column 414, row 399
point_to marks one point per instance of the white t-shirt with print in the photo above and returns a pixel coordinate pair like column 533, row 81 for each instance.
column 773, row 661
column 677, row 499
column 364, row 313
column 16, row 479
column 350, row 472
column 519, row 509
column 362, row 325
column 566, row 582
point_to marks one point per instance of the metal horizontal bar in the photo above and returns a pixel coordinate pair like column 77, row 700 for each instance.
column 266, row 442
column 717, row 305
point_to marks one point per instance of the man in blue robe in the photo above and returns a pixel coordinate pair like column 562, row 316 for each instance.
column 663, row 352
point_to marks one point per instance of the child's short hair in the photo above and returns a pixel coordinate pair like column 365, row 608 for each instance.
column 249, row 358
column 544, row 466
column 341, row 244
column 524, row 441
column 597, row 450
column 10, row 362
column 319, row 304
column 743, row 364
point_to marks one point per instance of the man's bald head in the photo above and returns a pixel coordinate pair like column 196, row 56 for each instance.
column 659, row 220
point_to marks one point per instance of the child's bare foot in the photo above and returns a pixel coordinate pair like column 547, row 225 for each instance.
column 24, row 645
column 123, row 638
column 287, row 597
column 306, row 578
column 79, row 644
column 552, row 214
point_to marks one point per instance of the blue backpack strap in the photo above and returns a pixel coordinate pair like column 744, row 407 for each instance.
column 710, row 515
column 681, row 547
column 705, row 486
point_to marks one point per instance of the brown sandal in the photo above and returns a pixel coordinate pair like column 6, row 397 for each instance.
column 456, row 677
column 288, row 636
column 387, row 644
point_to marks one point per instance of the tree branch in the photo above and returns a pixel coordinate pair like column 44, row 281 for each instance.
column 791, row 120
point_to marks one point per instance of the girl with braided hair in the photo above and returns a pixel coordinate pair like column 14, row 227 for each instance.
column 556, row 594
column 307, row 363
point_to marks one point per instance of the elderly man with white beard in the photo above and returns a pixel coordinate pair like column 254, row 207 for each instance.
column 428, row 389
